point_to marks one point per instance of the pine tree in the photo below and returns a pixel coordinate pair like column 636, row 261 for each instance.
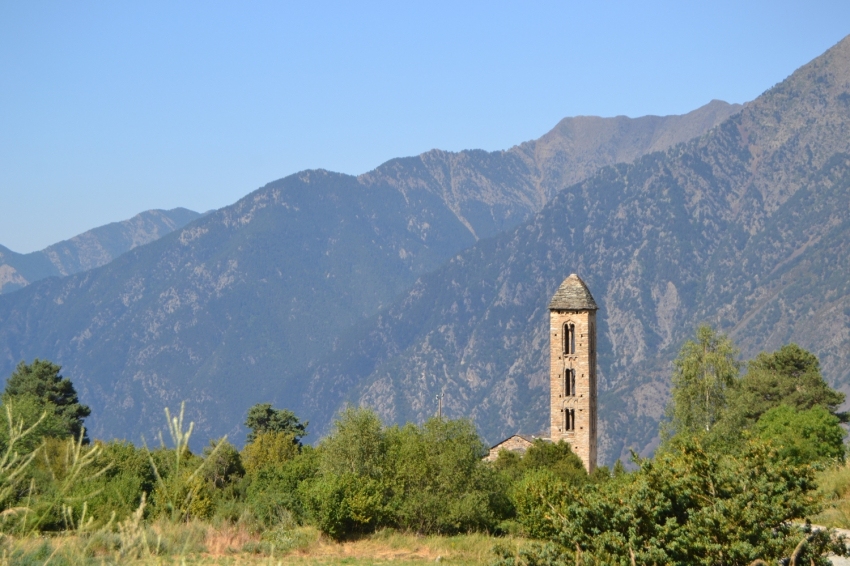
column 41, row 383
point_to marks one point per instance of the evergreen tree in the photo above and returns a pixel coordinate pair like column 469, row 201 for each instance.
column 41, row 383
column 262, row 418
column 789, row 376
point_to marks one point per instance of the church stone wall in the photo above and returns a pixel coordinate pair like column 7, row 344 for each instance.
column 516, row 443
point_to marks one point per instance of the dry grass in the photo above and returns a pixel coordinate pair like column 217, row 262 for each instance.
column 834, row 485
column 198, row 543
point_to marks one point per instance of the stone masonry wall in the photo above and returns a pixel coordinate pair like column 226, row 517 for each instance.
column 583, row 399
column 515, row 443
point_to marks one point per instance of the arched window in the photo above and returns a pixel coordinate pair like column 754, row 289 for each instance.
column 569, row 419
column 569, row 338
column 569, row 382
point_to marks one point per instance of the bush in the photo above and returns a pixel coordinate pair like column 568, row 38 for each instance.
column 689, row 505
column 269, row 449
column 803, row 437
column 531, row 498
column 127, row 475
column 437, row 481
column 277, row 492
column 428, row 479
column 346, row 504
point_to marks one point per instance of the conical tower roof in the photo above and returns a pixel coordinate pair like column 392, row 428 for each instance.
column 573, row 295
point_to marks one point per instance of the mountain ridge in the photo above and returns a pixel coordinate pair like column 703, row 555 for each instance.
column 664, row 243
column 230, row 310
column 89, row 249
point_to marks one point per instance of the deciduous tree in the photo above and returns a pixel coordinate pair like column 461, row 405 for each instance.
column 704, row 371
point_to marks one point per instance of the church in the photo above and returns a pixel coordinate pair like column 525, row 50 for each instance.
column 572, row 374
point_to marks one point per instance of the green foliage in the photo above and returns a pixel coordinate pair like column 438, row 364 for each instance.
column 348, row 497
column 222, row 463
column 269, row 449
column 689, row 505
column 29, row 412
column 546, row 470
column 347, row 504
column 436, row 480
column 790, row 376
column 180, row 490
column 531, row 496
column 803, row 436
column 262, row 418
column 40, row 386
column 556, row 458
column 428, row 479
column 357, row 445
column 65, row 474
column 14, row 462
column 705, row 370
column 279, row 492
column 119, row 490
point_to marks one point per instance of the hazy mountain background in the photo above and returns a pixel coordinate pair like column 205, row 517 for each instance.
column 90, row 249
column 746, row 227
column 431, row 274
column 237, row 306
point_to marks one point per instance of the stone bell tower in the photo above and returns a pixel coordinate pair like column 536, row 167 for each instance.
column 572, row 370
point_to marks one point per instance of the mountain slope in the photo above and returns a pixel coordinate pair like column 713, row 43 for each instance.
column 745, row 227
column 233, row 308
column 90, row 249
column 491, row 192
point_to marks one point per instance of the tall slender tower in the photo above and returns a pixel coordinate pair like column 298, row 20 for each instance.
column 572, row 371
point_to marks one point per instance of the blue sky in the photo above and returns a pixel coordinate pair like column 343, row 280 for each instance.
column 111, row 108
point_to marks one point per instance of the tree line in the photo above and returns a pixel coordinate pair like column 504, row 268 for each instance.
column 732, row 481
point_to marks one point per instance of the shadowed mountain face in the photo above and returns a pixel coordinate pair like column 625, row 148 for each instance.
column 235, row 307
column 746, row 227
column 90, row 249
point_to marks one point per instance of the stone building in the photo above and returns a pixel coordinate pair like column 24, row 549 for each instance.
column 572, row 369
column 572, row 374
column 516, row 443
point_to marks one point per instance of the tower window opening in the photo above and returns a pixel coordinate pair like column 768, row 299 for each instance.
column 570, row 383
column 570, row 419
column 592, row 340
column 569, row 338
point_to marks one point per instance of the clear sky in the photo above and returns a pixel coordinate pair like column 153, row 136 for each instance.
column 111, row 108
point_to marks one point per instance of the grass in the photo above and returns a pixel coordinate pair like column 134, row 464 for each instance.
column 834, row 485
column 200, row 543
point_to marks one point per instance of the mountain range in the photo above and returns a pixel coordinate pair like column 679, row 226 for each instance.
column 90, row 249
column 431, row 274
column 745, row 227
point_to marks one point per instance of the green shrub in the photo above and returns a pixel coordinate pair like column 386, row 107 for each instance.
column 127, row 475
column 531, row 498
column 437, row 482
column 689, row 505
column 269, row 449
column 803, row 437
column 278, row 492
column 346, row 504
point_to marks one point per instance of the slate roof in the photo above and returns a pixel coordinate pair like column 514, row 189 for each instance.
column 573, row 295
column 530, row 438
